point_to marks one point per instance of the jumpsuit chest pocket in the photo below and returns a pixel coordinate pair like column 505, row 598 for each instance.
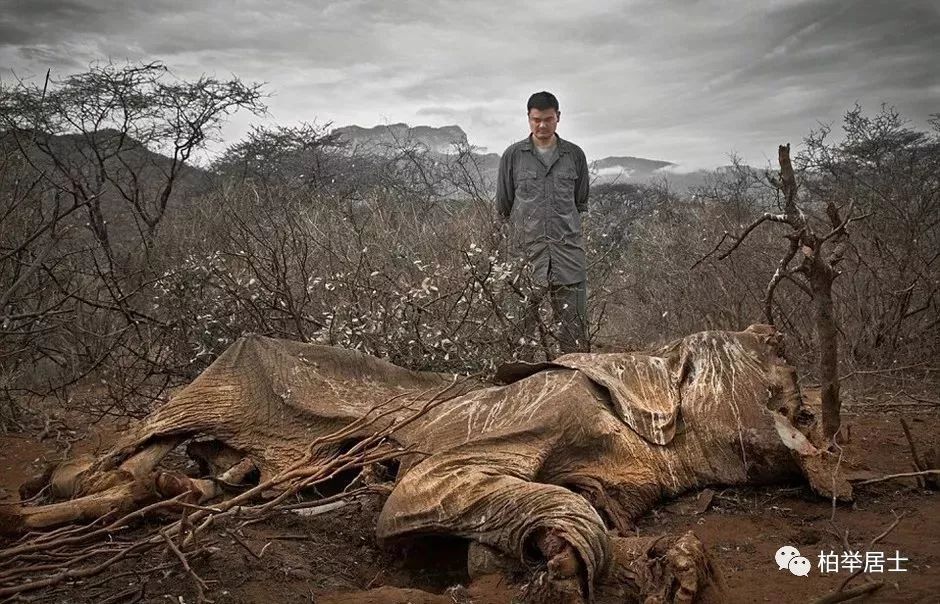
column 565, row 180
column 528, row 184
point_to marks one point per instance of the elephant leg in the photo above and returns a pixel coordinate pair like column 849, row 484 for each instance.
column 143, row 462
column 91, row 494
column 485, row 560
column 663, row 569
column 171, row 484
column 619, row 498
column 58, row 480
column 81, row 477
column 479, row 495
column 240, row 473
column 122, row 498
column 228, row 465
column 213, row 456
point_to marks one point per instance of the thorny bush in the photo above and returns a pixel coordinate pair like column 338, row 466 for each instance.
column 426, row 285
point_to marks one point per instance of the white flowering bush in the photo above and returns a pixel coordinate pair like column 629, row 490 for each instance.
column 428, row 286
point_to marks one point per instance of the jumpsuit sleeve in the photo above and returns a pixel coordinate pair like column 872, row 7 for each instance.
column 582, row 184
column 505, row 187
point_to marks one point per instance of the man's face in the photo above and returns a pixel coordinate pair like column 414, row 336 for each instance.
column 542, row 123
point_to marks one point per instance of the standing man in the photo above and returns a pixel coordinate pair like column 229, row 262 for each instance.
column 542, row 190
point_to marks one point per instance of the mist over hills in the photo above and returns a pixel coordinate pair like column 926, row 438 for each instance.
column 446, row 140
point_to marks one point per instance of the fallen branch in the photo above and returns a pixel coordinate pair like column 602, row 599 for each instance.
column 841, row 594
column 886, row 370
column 919, row 465
column 197, row 580
column 131, row 595
column 241, row 542
column 900, row 475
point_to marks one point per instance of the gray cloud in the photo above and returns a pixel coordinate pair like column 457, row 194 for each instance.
column 688, row 82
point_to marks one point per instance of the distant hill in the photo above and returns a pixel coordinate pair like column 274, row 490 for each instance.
column 613, row 169
column 130, row 164
column 375, row 139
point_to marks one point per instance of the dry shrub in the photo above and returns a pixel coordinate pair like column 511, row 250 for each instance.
column 404, row 258
column 428, row 285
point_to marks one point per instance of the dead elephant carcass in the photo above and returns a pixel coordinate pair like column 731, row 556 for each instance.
column 543, row 467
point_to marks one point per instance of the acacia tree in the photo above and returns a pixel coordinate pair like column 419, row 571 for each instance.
column 90, row 166
column 293, row 157
column 124, row 132
column 891, row 304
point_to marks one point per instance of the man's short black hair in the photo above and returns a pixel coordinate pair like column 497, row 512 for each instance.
column 542, row 101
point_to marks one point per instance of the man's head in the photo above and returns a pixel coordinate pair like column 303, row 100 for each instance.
column 543, row 115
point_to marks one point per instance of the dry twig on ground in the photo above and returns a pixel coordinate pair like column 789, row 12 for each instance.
column 841, row 594
column 899, row 475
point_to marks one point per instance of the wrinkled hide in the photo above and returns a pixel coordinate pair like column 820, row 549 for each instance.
column 543, row 466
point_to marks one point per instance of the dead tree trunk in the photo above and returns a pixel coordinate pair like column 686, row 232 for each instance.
column 828, row 344
column 820, row 273
column 814, row 275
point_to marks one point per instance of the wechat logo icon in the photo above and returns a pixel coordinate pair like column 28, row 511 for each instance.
column 789, row 558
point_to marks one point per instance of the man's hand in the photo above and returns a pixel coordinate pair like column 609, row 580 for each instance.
column 586, row 219
column 502, row 226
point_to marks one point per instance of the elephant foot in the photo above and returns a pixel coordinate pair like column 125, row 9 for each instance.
column 567, row 582
column 563, row 561
column 661, row 570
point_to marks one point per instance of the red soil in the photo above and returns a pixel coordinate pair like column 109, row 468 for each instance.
column 334, row 558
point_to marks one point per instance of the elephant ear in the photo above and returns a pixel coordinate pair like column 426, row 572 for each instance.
column 644, row 390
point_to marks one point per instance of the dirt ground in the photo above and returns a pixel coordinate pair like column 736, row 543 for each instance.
column 334, row 558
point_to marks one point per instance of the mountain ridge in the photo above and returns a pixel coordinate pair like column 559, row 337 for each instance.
column 440, row 139
column 445, row 140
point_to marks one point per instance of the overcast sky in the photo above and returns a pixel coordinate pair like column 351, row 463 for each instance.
column 681, row 80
